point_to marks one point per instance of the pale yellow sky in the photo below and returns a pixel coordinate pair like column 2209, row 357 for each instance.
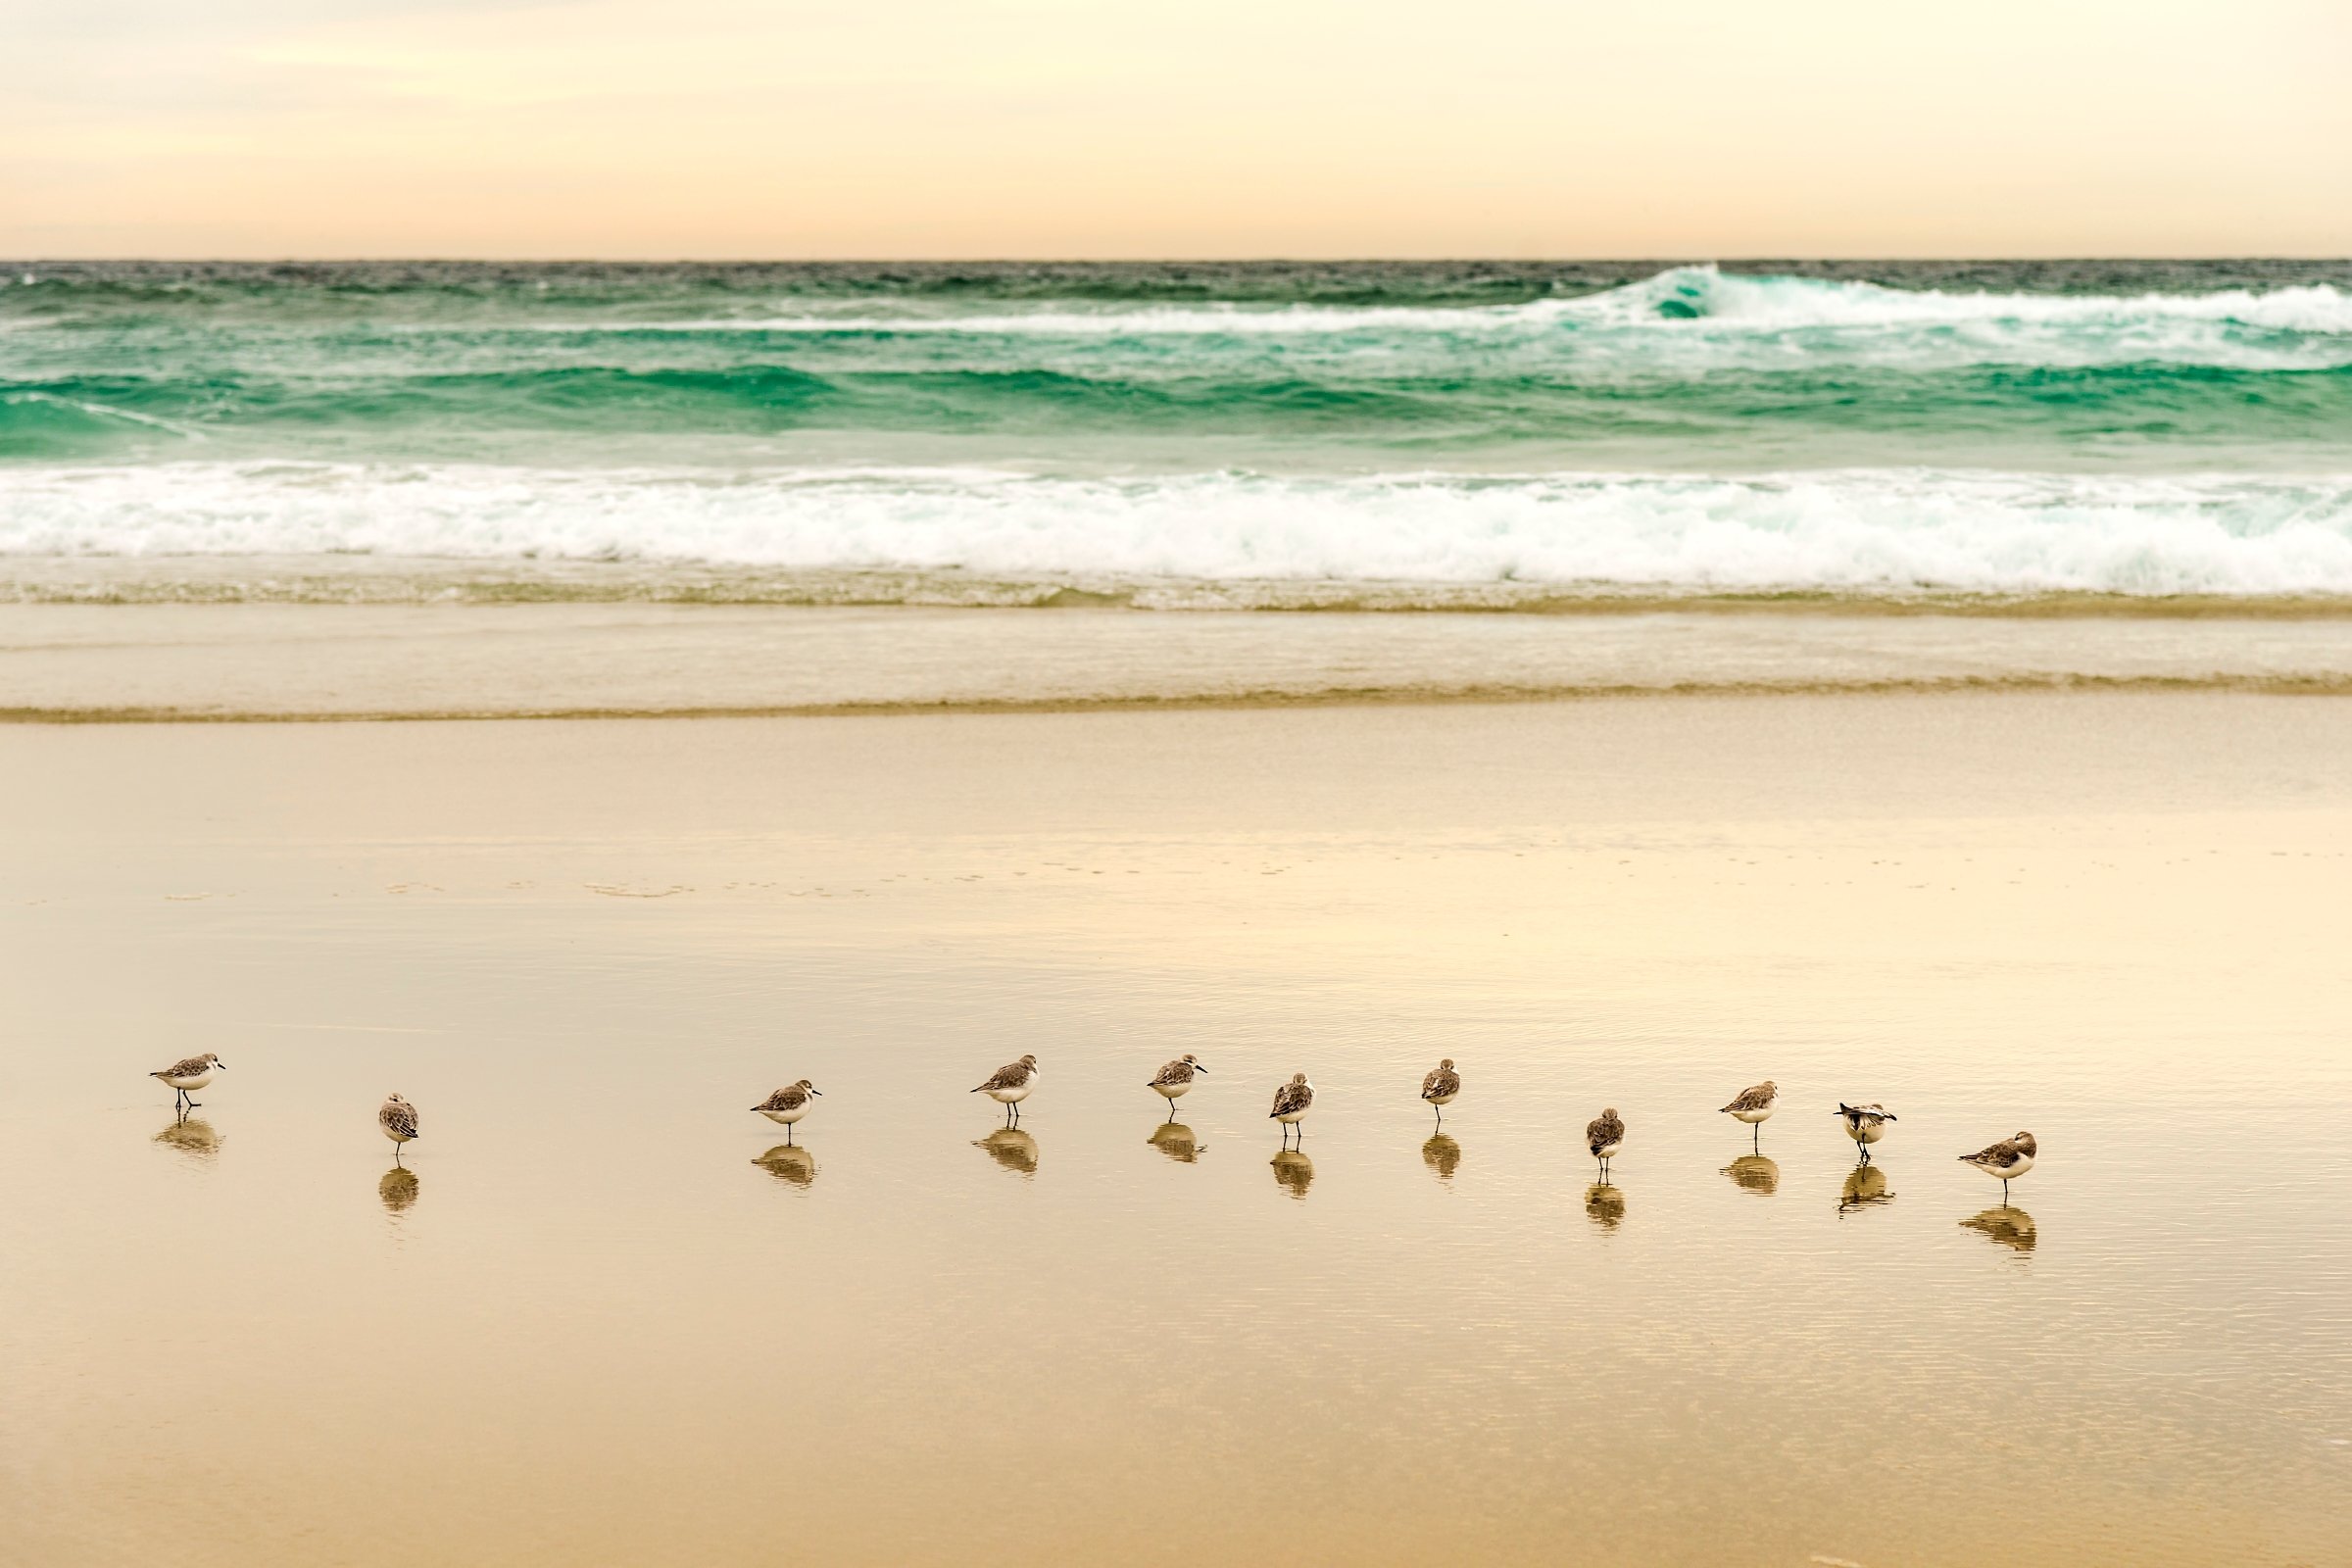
column 639, row 128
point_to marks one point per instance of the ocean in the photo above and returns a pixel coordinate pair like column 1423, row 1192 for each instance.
column 1271, row 435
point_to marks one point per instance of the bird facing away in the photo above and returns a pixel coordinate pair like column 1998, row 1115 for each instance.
column 1753, row 1106
column 2008, row 1160
column 1291, row 1101
column 398, row 1118
column 1175, row 1080
column 1440, row 1086
column 787, row 1104
column 190, row 1072
column 1009, row 1085
column 1865, row 1124
column 1604, row 1135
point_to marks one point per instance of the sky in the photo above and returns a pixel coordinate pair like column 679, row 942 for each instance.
column 1112, row 129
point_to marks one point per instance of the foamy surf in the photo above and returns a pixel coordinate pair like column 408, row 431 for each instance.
column 1855, row 534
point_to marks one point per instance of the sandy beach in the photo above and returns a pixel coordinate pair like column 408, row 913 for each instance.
column 601, row 1314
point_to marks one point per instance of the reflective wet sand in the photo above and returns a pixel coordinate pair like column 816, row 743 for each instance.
column 599, row 1313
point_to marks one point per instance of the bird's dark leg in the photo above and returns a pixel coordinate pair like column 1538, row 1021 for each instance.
column 1756, row 1136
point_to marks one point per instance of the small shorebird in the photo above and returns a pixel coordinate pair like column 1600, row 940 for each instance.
column 2008, row 1160
column 1292, row 1102
column 787, row 1104
column 1009, row 1085
column 398, row 1118
column 1753, row 1106
column 1604, row 1135
column 1175, row 1080
column 1440, row 1086
column 1865, row 1124
column 190, row 1072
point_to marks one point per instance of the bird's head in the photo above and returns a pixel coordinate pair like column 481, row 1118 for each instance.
column 809, row 1086
column 1445, row 1065
column 1029, row 1062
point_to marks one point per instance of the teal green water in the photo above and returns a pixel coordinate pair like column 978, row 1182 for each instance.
column 2121, row 426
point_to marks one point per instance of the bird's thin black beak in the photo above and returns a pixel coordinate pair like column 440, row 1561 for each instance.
column 1197, row 1067
column 817, row 1090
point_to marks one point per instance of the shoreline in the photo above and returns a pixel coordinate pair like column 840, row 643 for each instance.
column 361, row 581
column 2056, row 686
column 85, row 663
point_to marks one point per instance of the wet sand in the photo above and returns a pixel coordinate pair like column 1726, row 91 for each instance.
column 601, row 1315
column 77, row 663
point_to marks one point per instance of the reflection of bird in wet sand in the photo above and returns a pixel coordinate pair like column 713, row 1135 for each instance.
column 1756, row 1173
column 2007, row 1159
column 1604, row 1135
column 1291, row 1101
column 789, row 1105
column 2011, row 1227
column 1865, row 1186
column 1176, row 1140
column 191, row 1134
column 789, row 1162
column 1012, row 1148
column 1604, row 1205
column 1443, row 1156
column 398, row 1189
column 1753, row 1106
column 1865, row 1124
column 1175, row 1080
column 190, row 1072
column 398, row 1118
column 1440, row 1086
column 1009, row 1085
column 1293, row 1170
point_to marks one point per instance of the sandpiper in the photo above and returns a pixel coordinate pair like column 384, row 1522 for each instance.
column 1604, row 1135
column 1753, row 1106
column 190, row 1072
column 1440, row 1086
column 2008, row 1160
column 787, row 1104
column 1865, row 1124
column 1292, row 1102
column 398, row 1118
column 1009, row 1085
column 1175, row 1080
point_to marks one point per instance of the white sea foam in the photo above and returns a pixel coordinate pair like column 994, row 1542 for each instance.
column 1856, row 531
column 1692, row 306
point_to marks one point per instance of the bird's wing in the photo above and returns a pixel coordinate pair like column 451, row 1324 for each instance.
column 1290, row 1097
column 1753, row 1098
column 184, row 1068
column 1172, row 1074
column 400, row 1118
column 2004, row 1153
column 1003, row 1078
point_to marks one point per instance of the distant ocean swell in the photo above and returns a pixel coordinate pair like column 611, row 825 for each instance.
column 2147, row 430
column 1853, row 533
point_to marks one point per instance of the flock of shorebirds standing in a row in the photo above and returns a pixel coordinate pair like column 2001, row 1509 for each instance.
column 1013, row 1082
